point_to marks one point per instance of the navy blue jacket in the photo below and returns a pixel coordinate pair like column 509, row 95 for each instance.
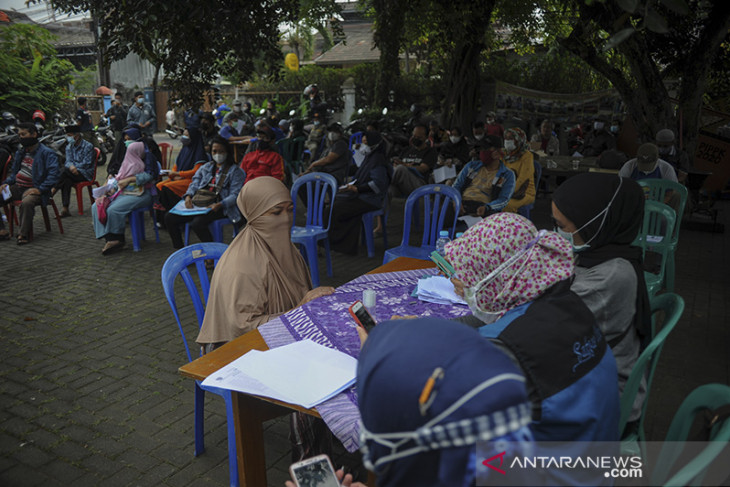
column 46, row 170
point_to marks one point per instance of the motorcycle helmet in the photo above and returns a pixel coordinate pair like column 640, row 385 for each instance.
column 38, row 115
column 8, row 118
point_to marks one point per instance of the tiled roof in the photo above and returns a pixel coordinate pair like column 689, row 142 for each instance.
column 357, row 48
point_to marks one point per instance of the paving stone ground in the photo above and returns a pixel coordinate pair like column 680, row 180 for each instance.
column 89, row 389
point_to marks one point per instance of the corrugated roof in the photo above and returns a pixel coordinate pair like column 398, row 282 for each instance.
column 357, row 48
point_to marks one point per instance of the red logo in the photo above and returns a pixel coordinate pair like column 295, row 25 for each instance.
column 501, row 461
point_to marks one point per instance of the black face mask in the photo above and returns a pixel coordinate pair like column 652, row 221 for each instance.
column 28, row 141
column 417, row 141
column 264, row 144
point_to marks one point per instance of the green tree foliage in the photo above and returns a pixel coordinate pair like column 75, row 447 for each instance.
column 32, row 77
column 636, row 45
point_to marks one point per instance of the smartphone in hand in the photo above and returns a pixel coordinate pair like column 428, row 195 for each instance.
column 314, row 471
column 361, row 316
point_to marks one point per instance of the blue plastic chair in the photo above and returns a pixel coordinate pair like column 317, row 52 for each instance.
column 657, row 189
column 355, row 138
column 706, row 397
column 177, row 265
column 136, row 225
column 525, row 210
column 368, row 235
column 435, row 200
column 319, row 186
column 216, row 229
column 672, row 305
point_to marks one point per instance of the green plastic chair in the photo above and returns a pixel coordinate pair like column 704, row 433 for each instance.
column 657, row 189
column 291, row 151
column 672, row 305
column 708, row 396
column 656, row 236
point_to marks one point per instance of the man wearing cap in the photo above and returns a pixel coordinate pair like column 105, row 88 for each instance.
column 669, row 152
column 315, row 134
column 599, row 140
column 486, row 184
column 263, row 160
column 229, row 131
column 335, row 159
column 79, row 166
column 647, row 165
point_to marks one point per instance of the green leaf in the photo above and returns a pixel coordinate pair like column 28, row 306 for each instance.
column 629, row 5
column 677, row 6
column 618, row 38
column 655, row 22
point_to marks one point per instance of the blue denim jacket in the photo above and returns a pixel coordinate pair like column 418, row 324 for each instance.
column 229, row 192
column 463, row 180
column 82, row 157
column 46, row 171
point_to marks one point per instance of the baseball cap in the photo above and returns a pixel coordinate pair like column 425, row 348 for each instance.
column 646, row 157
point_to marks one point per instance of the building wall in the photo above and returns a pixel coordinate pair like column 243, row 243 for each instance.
column 131, row 72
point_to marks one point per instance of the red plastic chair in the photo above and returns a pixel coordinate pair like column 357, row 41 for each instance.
column 79, row 187
column 166, row 150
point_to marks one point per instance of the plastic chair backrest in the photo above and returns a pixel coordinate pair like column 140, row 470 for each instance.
column 659, row 220
column 708, row 396
column 291, row 149
column 355, row 138
column 672, row 305
column 97, row 155
column 318, row 185
column 435, row 200
column 166, row 150
column 177, row 265
column 538, row 173
column 657, row 189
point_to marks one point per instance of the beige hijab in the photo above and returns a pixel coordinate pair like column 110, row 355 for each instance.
column 262, row 274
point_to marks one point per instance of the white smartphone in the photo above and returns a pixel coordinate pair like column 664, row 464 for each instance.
column 314, row 472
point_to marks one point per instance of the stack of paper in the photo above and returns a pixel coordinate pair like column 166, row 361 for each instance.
column 302, row 373
column 181, row 209
column 437, row 289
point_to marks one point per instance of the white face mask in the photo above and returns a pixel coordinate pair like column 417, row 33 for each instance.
column 569, row 235
column 455, row 139
column 332, row 136
column 479, row 136
column 219, row 158
column 597, row 125
column 510, row 145
column 470, row 294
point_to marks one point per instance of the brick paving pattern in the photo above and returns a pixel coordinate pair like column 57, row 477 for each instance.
column 89, row 386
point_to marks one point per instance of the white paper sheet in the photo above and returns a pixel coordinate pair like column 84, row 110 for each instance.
column 439, row 290
column 358, row 157
column 180, row 209
column 302, row 373
column 109, row 187
column 443, row 173
column 470, row 220
column 6, row 195
column 348, row 184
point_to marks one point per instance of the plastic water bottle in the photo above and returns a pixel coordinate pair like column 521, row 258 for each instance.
column 442, row 241
column 459, row 235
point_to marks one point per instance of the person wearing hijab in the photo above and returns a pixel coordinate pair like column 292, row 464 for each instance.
column 133, row 133
column 474, row 385
column 519, row 158
column 262, row 274
column 516, row 282
column 367, row 193
column 191, row 157
column 220, row 175
column 601, row 215
column 133, row 181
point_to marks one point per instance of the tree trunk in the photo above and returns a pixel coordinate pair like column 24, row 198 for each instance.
column 389, row 22
column 462, row 87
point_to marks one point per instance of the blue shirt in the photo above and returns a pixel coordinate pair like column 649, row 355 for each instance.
column 227, row 132
column 81, row 156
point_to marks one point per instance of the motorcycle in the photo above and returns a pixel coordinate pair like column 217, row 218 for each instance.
column 56, row 141
column 104, row 139
column 174, row 131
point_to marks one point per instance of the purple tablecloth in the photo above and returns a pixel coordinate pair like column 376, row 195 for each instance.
column 327, row 321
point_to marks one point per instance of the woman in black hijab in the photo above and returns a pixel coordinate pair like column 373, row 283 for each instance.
column 601, row 215
column 367, row 194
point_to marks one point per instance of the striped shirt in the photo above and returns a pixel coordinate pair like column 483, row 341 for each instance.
column 24, row 178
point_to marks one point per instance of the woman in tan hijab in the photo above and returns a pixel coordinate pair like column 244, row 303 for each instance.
column 262, row 275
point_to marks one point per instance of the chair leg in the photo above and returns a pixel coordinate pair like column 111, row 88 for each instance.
column 232, row 451
column 134, row 227
column 153, row 217
column 58, row 218
column 46, row 218
column 367, row 223
column 80, row 198
column 199, row 419
column 669, row 272
column 187, row 234
column 328, row 256
column 311, row 250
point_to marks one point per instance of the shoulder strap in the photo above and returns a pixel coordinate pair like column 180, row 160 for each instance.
column 222, row 178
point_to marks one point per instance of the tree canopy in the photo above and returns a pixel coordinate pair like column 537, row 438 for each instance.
column 32, row 77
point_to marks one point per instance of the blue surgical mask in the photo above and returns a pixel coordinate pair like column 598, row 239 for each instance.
column 70, row 139
column 185, row 140
column 140, row 99
column 128, row 142
column 569, row 237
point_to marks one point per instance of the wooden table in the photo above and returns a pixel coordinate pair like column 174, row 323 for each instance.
column 250, row 412
column 237, row 146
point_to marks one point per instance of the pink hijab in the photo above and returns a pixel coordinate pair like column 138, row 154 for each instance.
column 133, row 162
column 494, row 240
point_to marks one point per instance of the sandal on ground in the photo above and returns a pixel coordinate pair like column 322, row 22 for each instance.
column 65, row 213
column 22, row 240
column 112, row 246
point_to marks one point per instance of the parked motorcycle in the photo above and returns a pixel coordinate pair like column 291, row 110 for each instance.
column 174, row 131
